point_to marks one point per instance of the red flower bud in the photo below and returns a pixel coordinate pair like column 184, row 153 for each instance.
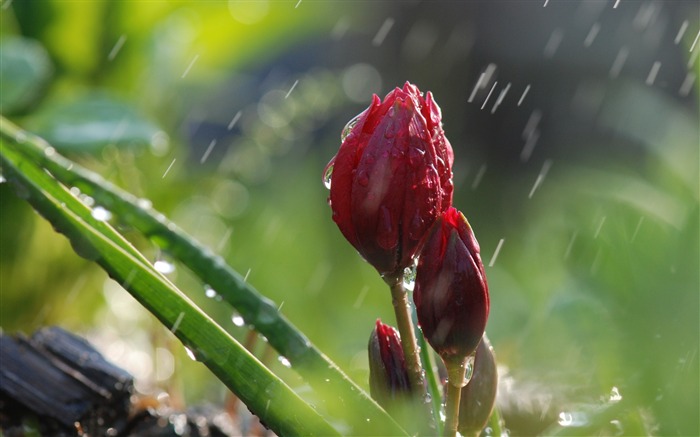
column 388, row 376
column 391, row 178
column 479, row 395
column 451, row 293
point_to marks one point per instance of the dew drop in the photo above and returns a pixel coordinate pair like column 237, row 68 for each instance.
column 348, row 127
column 2, row 179
column 49, row 151
column 237, row 320
column 427, row 398
column 75, row 191
column 409, row 277
column 101, row 214
column 284, row 361
column 210, row 292
column 164, row 267
column 328, row 173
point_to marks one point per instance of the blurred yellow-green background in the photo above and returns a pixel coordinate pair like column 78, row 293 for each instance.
column 575, row 130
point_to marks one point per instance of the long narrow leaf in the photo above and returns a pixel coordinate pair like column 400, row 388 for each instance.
column 264, row 393
column 347, row 400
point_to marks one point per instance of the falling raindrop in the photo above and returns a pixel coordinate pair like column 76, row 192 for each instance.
column 101, row 214
column 383, row 32
column 409, row 277
column 328, row 173
column 237, row 320
column 164, row 267
column 284, row 361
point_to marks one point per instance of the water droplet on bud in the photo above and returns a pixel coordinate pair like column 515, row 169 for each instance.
column 348, row 127
column 363, row 179
column 409, row 277
column 237, row 320
column 328, row 174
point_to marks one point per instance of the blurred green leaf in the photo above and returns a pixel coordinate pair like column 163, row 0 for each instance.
column 25, row 69
column 91, row 122
column 264, row 393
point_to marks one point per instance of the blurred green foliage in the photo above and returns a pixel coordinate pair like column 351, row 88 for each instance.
column 596, row 285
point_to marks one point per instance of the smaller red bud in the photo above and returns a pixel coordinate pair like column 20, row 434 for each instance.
column 451, row 293
column 388, row 376
column 479, row 395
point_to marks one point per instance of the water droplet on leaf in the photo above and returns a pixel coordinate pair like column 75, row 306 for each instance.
column 144, row 203
column 101, row 214
column 164, row 267
column 284, row 361
column 210, row 292
column 237, row 320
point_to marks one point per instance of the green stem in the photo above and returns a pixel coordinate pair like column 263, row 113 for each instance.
column 456, row 371
column 408, row 338
column 409, row 344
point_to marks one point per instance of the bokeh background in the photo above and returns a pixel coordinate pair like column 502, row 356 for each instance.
column 575, row 130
